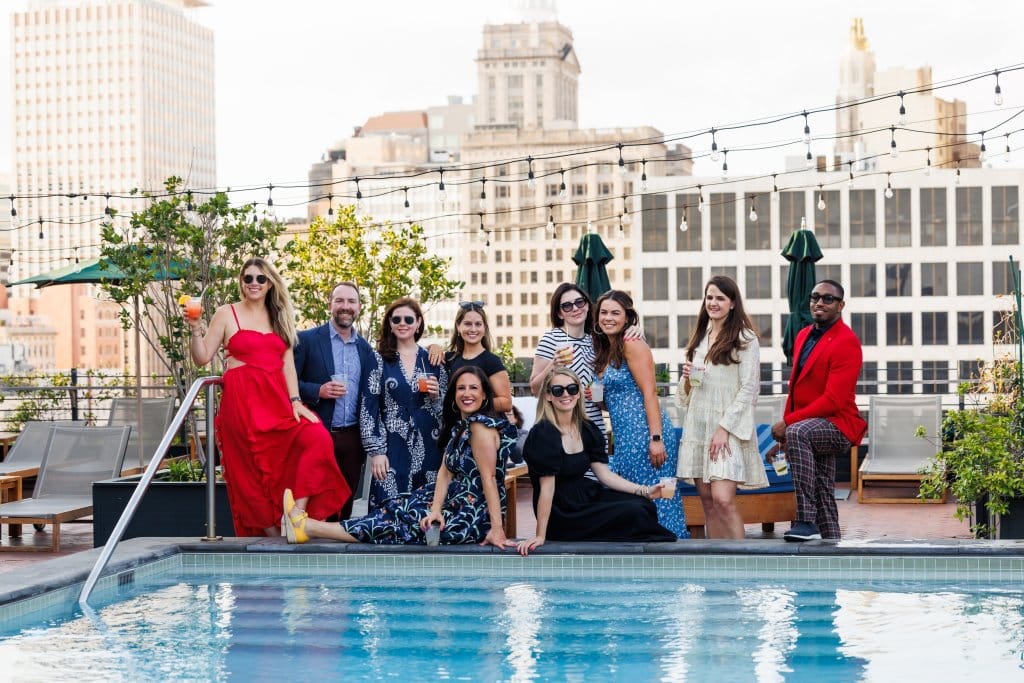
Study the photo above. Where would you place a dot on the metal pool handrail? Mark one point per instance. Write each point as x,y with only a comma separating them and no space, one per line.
210,383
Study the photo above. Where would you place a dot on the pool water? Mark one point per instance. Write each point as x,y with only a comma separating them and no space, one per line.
201,625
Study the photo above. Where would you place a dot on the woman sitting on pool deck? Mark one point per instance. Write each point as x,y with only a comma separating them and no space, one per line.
472,474
561,447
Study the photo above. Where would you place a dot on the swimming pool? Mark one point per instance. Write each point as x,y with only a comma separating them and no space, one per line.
236,616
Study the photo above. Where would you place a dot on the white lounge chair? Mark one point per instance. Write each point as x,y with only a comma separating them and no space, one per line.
75,457
26,454
156,416
895,454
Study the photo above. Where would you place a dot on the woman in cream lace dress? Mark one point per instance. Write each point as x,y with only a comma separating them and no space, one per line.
719,449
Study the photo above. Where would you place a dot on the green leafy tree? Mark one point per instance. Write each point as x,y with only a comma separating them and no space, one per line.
387,262
203,244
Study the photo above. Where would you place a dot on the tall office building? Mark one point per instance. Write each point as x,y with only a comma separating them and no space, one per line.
865,132
108,95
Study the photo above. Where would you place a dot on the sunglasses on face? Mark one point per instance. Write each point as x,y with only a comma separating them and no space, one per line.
247,279
470,305
567,306
829,299
557,390
397,319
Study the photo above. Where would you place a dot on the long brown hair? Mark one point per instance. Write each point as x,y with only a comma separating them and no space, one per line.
456,343
387,345
610,350
731,338
277,301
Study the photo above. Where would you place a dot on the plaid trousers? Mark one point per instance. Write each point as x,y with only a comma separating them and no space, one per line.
811,447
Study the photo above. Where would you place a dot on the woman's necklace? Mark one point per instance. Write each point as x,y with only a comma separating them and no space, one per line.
572,439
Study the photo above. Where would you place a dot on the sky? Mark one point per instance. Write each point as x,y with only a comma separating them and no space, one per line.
295,76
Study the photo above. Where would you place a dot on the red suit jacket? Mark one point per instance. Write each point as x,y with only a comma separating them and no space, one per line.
827,384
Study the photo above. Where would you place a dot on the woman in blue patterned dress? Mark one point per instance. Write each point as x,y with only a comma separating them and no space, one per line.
645,442
400,423
472,474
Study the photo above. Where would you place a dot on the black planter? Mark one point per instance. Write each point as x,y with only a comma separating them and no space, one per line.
169,509
1011,525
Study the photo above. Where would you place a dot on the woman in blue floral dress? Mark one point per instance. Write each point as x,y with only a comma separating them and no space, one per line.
398,422
472,473
645,442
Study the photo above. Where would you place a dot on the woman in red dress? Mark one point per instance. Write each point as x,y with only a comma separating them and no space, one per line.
269,440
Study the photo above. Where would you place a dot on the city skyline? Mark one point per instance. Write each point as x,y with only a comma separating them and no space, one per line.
266,71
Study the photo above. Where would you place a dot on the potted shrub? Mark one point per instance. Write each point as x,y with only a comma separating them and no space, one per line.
174,504
982,462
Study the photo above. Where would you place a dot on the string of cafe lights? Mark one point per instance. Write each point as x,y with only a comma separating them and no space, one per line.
531,176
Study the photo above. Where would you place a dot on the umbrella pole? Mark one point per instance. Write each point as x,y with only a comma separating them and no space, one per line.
138,380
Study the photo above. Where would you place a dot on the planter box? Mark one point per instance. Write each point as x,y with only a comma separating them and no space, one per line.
169,509
1011,525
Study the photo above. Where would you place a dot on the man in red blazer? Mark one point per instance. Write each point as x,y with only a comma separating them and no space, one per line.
821,419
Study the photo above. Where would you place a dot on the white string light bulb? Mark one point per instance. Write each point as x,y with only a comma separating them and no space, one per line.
928,161
809,161
714,146
894,152
483,194
775,189
807,130
700,199
957,178
725,164
1006,157
888,186
562,192
442,196
983,151
643,175
849,181
752,216
683,225
902,120
821,198
997,99
625,218
551,221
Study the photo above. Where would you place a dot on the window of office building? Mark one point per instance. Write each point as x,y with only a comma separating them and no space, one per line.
899,377
767,375
968,216
969,327
728,271
784,279
759,282
831,271
899,329
935,328
722,221
757,233
826,222
685,324
1001,280
935,375
763,322
691,240
862,218
1005,215
862,279
933,217
933,279
969,371
969,281
792,208
897,219
865,326
897,279
655,225
655,284
689,284
656,331
867,382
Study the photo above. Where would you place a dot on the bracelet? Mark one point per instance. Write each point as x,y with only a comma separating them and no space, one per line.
295,399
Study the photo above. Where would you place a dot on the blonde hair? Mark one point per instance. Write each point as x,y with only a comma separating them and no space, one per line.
278,303
546,411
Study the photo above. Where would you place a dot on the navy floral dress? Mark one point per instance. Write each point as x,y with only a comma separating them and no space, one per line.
396,420
397,520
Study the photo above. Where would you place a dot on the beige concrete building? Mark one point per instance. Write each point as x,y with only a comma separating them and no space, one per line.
108,95
865,132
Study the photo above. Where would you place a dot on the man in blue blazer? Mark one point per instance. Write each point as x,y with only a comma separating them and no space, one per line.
331,362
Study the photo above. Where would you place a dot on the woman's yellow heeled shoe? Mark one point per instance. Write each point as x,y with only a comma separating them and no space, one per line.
295,529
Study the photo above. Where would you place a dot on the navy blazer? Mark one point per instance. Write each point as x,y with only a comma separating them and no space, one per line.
314,365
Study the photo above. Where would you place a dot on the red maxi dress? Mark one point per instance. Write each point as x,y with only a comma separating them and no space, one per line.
263,449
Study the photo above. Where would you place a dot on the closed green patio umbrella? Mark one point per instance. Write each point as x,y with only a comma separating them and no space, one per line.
592,257
802,252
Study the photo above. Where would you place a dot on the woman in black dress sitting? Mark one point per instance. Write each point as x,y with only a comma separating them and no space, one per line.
561,447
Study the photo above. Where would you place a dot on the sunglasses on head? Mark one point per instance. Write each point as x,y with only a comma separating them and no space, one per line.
829,299
557,390
470,305
397,319
247,279
567,306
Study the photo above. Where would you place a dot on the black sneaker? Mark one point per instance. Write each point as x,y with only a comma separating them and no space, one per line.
803,531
